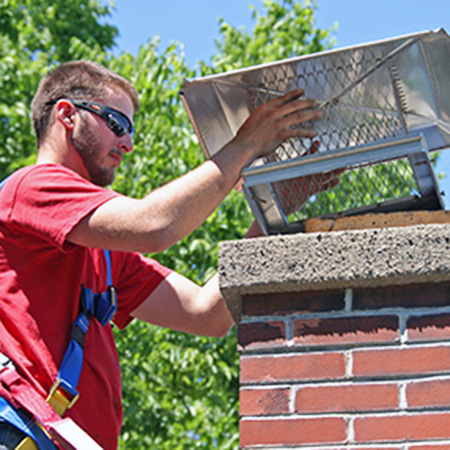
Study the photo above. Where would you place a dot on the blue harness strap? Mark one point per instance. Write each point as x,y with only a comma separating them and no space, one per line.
100,306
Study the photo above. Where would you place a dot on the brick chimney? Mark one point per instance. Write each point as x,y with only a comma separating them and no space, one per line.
344,336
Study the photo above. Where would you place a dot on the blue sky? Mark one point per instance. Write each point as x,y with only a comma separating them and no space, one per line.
194,23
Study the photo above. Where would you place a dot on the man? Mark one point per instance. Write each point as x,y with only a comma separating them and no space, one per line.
55,219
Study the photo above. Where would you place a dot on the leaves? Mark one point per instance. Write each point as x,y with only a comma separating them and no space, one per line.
284,29
183,407
34,36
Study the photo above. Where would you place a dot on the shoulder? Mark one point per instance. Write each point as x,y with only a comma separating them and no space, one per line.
50,198
47,174
51,180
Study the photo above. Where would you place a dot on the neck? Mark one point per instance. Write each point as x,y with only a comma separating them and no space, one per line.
57,149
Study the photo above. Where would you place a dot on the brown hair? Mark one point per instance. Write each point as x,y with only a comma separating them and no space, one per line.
78,80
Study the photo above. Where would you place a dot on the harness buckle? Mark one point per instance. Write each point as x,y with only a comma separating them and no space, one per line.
27,444
106,305
62,396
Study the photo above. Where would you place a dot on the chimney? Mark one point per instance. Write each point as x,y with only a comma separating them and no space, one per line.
344,335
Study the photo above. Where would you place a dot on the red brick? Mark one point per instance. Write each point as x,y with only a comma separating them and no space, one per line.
293,302
346,330
362,448
392,428
260,402
428,394
429,447
420,360
429,328
292,431
261,335
407,296
311,366
351,398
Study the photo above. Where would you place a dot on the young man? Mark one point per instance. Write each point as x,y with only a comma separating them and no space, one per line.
55,219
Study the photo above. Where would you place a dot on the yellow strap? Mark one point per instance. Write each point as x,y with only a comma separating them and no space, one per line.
27,444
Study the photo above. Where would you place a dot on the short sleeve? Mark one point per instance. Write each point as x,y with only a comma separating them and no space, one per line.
135,277
50,200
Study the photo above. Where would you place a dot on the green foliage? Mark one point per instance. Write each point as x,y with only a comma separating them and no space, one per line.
285,29
33,37
50,26
180,391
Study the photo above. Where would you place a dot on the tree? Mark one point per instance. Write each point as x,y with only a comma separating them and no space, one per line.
180,391
33,37
284,29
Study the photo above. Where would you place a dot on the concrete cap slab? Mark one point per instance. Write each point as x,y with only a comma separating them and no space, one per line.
341,259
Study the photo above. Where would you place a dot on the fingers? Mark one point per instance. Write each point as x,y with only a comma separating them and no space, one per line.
293,193
289,97
294,112
291,103
282,118
298,105
292,127
300,117
239,185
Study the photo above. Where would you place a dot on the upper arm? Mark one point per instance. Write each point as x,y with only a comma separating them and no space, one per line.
122,224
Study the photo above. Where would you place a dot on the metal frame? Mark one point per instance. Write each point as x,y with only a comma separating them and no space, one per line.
265,204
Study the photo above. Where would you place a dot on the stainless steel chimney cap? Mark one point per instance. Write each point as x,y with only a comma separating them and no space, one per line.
383,92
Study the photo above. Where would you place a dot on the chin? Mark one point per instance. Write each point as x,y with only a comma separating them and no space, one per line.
103,178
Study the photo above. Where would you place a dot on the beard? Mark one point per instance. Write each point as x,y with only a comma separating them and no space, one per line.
87,144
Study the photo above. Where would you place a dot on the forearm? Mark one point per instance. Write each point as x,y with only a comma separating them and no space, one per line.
167,214
185,203
219,321
182,305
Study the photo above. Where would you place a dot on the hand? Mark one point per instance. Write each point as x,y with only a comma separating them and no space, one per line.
275,121
293,193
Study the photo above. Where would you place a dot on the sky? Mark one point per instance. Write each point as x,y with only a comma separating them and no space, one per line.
194,23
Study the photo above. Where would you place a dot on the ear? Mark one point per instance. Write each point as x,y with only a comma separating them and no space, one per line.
65,113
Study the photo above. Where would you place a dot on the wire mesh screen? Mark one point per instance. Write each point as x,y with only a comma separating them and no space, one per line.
356,94
357,187
369,94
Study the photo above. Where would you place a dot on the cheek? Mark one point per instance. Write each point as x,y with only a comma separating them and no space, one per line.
97,138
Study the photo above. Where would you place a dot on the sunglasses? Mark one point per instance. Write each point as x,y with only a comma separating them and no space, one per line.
116,121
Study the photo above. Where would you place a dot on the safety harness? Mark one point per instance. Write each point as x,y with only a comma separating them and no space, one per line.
47,414
100,306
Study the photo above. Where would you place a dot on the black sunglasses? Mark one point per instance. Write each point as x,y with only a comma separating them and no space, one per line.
116,121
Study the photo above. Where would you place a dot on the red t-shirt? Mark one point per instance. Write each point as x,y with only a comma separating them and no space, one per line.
40,278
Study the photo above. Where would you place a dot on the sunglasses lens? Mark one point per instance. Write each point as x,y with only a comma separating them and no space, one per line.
118,123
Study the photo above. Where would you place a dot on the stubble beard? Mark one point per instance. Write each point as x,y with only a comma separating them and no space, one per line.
87,144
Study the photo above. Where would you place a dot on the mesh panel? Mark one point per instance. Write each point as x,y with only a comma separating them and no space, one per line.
354,113
354,188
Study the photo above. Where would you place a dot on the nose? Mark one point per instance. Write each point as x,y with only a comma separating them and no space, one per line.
126,143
